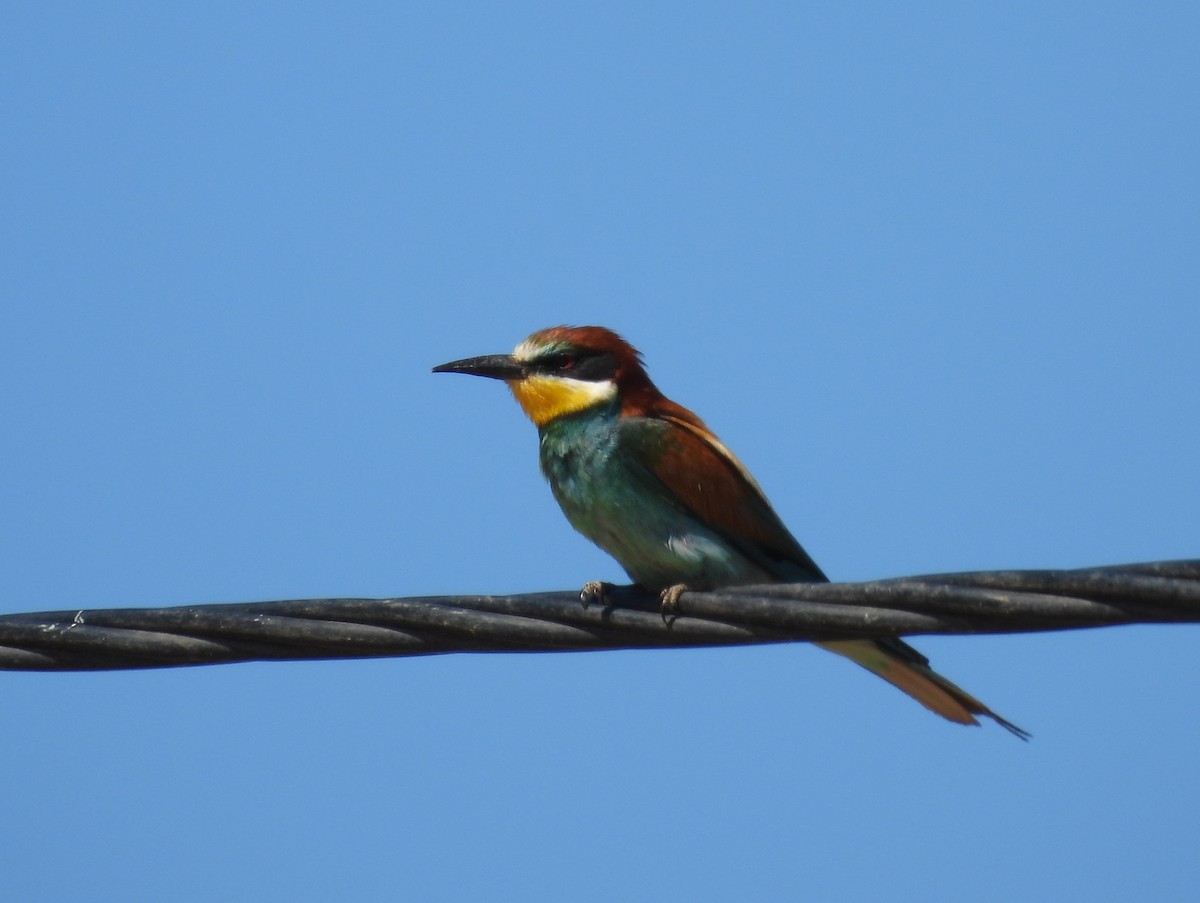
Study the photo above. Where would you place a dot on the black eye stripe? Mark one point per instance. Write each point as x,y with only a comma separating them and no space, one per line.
584,364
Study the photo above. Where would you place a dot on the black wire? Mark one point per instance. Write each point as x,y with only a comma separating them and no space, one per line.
981,602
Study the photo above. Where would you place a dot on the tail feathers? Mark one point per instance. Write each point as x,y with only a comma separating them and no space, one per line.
903,667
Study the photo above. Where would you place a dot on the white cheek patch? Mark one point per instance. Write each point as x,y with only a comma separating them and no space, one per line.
588,392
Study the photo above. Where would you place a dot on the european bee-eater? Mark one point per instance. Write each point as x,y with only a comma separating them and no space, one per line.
648,482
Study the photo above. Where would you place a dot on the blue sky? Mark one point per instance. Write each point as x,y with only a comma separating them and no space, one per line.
930,270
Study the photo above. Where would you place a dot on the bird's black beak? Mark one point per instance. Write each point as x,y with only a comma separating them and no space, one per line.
493,366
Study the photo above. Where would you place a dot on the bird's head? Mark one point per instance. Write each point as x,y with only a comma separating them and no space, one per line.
566,369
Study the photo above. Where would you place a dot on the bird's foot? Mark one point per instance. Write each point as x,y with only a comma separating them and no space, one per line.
594,591
670,602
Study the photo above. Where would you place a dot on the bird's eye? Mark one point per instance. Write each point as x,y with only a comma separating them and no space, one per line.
565,361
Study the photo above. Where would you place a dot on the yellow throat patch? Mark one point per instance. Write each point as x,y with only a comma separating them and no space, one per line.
543,398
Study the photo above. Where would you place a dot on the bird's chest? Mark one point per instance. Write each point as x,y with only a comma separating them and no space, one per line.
607,494
582,462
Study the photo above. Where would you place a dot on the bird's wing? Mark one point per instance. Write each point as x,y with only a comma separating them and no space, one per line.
703,478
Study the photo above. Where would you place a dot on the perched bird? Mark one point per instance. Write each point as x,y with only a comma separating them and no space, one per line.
648,482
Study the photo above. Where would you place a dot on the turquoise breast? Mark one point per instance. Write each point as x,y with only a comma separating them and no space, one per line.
618,503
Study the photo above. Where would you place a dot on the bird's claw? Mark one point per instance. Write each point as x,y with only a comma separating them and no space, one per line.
670,602
594,591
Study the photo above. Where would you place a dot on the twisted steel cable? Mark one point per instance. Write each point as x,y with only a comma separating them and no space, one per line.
979,602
